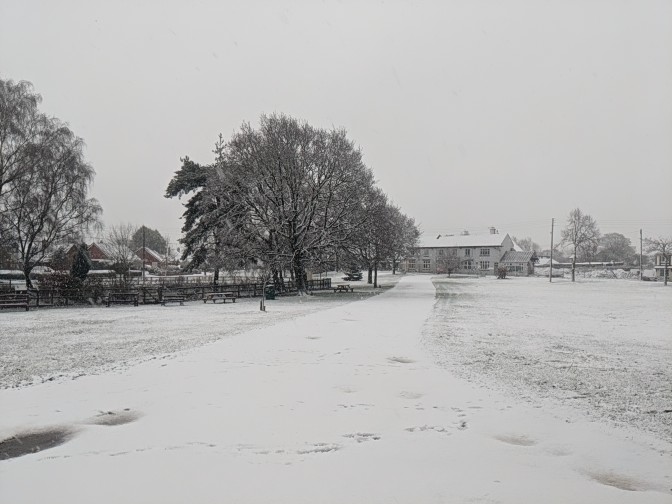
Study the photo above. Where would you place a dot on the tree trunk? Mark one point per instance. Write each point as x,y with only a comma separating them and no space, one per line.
299,273
394,266
375,275
369,278
665,270
26,273
215,278
573,263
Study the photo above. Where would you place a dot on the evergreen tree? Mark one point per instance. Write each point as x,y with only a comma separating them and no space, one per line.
81,263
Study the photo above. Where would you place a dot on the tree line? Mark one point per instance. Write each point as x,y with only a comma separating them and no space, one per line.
582,241
287,197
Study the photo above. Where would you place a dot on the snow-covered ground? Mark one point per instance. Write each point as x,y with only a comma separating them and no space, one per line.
47,344
603,346
356,403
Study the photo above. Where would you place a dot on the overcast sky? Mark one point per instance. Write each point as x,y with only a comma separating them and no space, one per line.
470,113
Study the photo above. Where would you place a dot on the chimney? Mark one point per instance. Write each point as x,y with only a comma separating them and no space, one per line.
493,230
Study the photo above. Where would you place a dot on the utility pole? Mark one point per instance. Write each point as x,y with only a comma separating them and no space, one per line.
143,255
641,274
550,272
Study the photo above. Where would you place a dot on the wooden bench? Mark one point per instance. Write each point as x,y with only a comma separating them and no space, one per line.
15,300
172,298
343,288
223,296
122,298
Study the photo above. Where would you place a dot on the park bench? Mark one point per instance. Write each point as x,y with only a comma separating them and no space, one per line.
14,300
122,298
343,288
216,296
172,298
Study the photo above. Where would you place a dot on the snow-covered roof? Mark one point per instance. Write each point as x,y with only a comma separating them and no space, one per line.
150,252
103,248
545,261
482,240
515,256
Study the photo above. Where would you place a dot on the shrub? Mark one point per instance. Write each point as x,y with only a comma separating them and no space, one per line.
501,272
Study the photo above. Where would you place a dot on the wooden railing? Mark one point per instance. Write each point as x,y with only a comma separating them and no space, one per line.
153,294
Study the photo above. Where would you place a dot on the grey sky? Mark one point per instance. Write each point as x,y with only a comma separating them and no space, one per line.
470,113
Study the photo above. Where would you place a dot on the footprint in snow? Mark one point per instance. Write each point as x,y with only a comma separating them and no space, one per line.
319,448
112,418
518,440
405,394
401,360
360,437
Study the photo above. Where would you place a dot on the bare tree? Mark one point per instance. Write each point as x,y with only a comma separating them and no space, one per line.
527,244
662,246
290,190
404,236
119,243
367,243
449,261
581,235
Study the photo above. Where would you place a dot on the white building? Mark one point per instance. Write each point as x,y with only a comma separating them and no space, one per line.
464,252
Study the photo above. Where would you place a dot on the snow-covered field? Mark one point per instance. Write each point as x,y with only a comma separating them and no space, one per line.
380,400
602,346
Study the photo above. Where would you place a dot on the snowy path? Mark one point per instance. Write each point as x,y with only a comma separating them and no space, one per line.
343,405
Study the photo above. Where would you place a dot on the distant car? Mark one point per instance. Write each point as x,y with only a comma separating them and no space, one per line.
353,276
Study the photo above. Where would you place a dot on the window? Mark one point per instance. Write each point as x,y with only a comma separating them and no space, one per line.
485,265
440,252
411,264
467,252
485,252
425,264
425,252
467,265
495,266
453,252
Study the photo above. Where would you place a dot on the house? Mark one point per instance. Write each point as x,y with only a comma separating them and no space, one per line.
150,257
659,264
518,263
464,252
99,252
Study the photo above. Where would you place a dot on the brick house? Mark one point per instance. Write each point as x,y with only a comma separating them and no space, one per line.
150,258
464,253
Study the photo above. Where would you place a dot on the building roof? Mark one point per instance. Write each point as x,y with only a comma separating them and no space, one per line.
482,240
514,256
150,252
102,247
